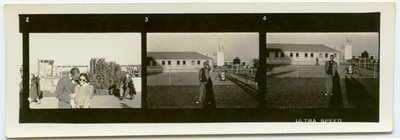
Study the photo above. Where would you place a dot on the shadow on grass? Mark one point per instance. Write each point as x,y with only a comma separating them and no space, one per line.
209,101
336,100
358,96
246,87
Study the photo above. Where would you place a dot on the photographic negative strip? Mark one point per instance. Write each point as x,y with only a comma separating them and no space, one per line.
199,68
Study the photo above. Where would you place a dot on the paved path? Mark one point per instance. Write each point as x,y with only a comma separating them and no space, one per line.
108,101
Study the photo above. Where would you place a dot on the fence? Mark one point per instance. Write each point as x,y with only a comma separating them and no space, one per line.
190,76
276,67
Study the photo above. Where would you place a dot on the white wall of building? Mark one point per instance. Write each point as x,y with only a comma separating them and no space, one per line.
182,67
303,58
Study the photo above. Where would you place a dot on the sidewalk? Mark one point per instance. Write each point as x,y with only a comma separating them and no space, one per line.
108,101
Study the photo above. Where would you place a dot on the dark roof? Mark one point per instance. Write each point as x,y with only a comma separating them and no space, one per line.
176,55
299,48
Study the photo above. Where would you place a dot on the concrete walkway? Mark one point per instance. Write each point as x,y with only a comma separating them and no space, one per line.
107,101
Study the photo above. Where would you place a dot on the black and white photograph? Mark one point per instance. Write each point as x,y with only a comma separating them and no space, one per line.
202,70
161,70
323,70
84,70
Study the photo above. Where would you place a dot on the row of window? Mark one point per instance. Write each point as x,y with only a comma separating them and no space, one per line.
177,63
297,55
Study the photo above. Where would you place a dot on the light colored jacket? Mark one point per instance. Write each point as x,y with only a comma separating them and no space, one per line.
83,95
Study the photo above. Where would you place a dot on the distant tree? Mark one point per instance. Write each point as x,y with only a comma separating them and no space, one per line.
236,60
256,63
364,54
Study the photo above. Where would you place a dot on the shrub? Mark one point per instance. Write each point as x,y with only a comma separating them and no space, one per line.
105,75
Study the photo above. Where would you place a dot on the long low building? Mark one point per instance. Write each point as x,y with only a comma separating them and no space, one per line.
175,61
302,54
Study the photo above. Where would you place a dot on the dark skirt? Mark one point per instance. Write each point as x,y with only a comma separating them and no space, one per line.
35,89
209,99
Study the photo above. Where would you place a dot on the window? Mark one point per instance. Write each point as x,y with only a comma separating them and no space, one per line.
192,62
163,63
335,55
282,55
305,54
311,54
326,55
178,62
198,62
267,54
297,54
169,63
183,62
154,63
320,55
148,63
291,54
276,54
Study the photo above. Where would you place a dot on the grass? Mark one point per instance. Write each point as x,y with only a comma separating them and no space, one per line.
281,93
226,96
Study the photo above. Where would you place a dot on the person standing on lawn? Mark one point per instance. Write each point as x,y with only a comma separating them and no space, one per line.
330,70
204,78
66,88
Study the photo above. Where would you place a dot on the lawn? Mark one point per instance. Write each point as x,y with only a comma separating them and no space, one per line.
309,93
225,96
288,92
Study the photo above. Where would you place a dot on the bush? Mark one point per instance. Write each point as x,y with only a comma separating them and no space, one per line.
100,92
105,75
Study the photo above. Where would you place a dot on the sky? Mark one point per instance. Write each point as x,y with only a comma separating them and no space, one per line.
79,48
242,45
359,41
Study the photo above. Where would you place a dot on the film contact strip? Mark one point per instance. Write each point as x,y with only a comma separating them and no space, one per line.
191,23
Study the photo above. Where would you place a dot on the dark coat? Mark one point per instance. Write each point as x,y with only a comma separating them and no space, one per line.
63,90
206,74
35,88
334,67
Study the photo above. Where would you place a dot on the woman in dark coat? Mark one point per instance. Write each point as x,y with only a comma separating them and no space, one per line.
209,99
35,89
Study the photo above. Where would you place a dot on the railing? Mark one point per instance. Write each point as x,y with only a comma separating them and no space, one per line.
297,66
174,76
